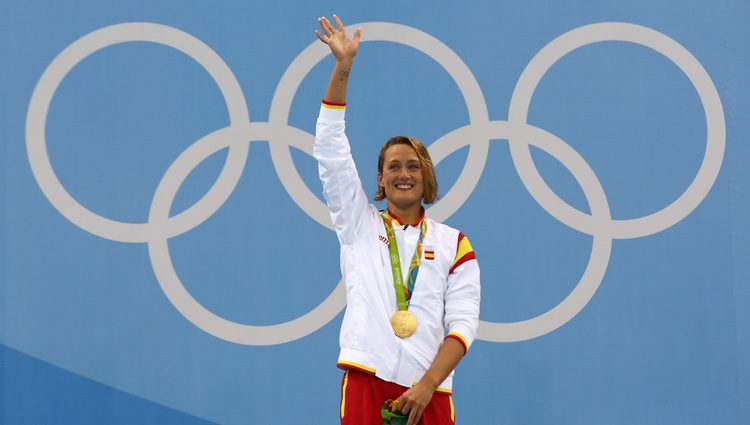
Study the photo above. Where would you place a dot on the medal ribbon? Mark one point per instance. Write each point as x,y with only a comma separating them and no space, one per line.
403,294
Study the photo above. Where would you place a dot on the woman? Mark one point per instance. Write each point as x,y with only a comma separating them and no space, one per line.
404,331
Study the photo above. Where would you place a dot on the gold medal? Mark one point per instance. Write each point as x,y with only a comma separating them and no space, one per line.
403,323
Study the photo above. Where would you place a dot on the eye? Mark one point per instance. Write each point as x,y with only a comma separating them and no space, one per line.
393,167
414,166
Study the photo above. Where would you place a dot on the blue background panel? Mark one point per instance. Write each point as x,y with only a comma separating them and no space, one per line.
88,336
35,392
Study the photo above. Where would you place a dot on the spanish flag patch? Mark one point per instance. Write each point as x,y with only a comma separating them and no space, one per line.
429,253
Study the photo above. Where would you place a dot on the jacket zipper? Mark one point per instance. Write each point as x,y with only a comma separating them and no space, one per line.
398,360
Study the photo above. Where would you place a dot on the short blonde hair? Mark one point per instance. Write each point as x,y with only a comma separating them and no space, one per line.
430,184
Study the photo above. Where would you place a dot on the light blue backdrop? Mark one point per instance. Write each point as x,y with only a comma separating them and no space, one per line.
664,339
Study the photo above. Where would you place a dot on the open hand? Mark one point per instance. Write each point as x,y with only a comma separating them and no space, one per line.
342,46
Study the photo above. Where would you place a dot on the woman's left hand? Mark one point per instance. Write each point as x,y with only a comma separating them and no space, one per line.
414,400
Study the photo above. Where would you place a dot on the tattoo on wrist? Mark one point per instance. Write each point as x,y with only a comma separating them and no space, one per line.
344,74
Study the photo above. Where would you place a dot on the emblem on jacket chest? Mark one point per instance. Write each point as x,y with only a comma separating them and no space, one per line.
429,252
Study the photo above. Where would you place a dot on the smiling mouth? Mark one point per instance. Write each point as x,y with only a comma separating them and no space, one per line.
404,186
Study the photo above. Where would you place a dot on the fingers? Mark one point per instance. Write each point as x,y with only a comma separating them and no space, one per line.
339,25
396,405
405,404
329,30
414,417
328,26
325,26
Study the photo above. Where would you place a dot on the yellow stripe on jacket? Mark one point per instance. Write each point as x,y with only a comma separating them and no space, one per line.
464,252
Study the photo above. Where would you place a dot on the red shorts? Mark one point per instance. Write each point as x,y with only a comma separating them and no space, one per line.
362,396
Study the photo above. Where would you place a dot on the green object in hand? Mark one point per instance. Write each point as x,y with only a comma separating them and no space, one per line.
391,418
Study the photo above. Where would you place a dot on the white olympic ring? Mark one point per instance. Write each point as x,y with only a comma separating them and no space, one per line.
477,134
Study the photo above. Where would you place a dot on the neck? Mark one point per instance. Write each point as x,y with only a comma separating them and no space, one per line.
408,215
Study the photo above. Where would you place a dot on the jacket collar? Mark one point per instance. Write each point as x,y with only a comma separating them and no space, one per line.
398,220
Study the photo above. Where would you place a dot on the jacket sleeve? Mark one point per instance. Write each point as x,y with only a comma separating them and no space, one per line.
463,295
342,188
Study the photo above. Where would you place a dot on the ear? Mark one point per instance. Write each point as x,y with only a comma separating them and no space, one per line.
380,180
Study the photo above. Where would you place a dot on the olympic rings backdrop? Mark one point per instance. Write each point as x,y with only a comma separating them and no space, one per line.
167,256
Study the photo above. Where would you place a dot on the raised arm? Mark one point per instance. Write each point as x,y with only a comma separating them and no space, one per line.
344,49
342,188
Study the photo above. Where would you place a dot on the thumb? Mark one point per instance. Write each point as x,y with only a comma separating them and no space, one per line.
357,34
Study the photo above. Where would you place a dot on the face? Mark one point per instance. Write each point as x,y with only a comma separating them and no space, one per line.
402,177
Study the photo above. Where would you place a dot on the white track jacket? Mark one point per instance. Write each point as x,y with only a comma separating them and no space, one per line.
446,294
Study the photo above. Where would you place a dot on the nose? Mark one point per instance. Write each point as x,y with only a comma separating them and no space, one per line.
404,172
